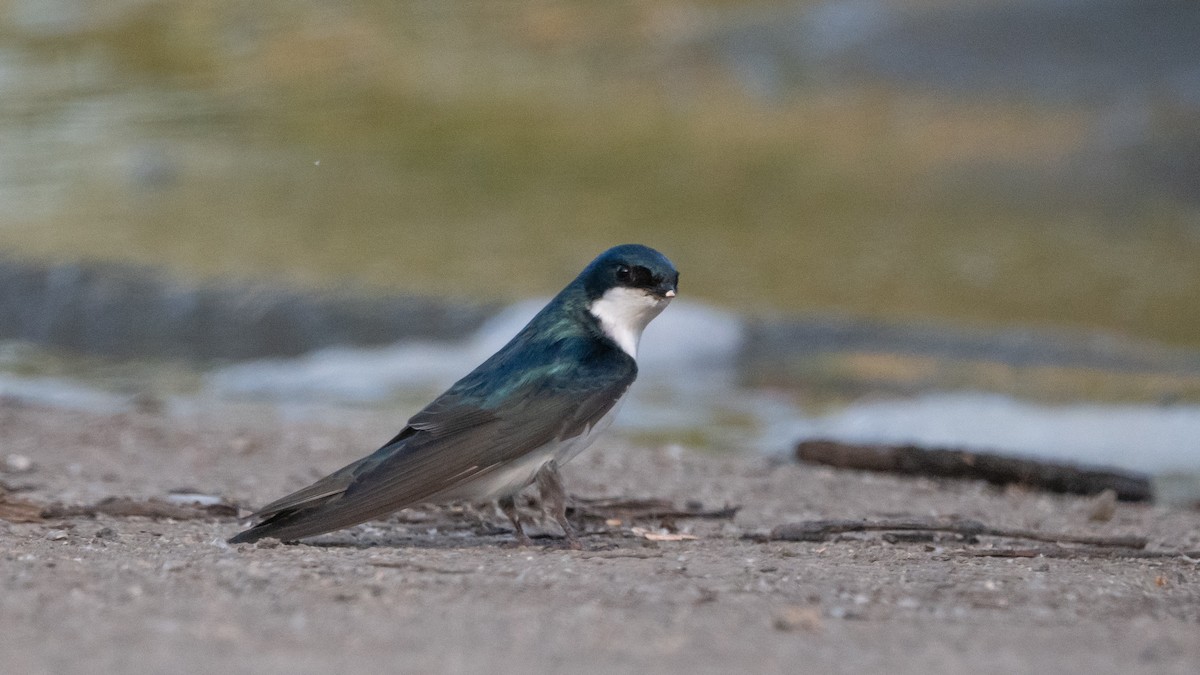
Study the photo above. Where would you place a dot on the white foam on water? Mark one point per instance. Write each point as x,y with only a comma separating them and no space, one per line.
687,338
340,374
688,384
56,392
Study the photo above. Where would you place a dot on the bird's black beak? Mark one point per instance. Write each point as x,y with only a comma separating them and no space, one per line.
666,289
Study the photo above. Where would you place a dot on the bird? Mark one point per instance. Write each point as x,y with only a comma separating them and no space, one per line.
511,422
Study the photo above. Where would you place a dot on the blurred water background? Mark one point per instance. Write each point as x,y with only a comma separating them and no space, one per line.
953,224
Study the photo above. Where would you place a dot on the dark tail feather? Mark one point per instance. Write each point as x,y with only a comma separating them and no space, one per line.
285,526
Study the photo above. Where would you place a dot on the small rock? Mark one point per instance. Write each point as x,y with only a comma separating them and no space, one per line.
793,618
148,403
1103,507
18,464
56,535
106,533
188,498
1159,650
243,445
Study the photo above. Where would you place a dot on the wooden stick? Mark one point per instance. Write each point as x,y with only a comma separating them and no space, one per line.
640,509
149,508
1063,552
821,530
996,469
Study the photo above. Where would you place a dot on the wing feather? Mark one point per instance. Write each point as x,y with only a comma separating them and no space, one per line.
456,439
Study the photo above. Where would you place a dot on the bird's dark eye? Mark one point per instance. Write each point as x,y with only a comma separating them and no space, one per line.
635,276
641,277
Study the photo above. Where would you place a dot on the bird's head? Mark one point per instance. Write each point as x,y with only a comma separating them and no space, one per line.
631,269
626,287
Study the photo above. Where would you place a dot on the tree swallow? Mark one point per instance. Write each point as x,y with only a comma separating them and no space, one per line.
511,422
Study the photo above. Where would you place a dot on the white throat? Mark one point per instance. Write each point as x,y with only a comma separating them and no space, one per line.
623,314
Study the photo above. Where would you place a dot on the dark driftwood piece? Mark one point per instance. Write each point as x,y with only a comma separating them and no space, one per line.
997,469
820,530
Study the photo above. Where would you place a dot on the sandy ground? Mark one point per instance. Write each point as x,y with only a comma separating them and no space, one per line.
136,595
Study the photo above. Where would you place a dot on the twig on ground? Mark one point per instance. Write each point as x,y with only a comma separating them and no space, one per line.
124,507
417,567
623,553
638,509
1064,552
821,530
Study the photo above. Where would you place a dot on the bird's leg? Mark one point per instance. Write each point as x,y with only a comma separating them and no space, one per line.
554,500
509,506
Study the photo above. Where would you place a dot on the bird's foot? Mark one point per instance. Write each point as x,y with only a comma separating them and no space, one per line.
509,506
573,541
554,501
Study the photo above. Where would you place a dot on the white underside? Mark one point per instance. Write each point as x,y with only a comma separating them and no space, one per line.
624,313
514,476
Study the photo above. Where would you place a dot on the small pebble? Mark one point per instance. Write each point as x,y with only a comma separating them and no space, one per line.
194,498
243,445
795,618
17,464
56,535
1103,507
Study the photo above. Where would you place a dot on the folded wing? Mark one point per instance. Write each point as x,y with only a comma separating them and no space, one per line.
456,439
